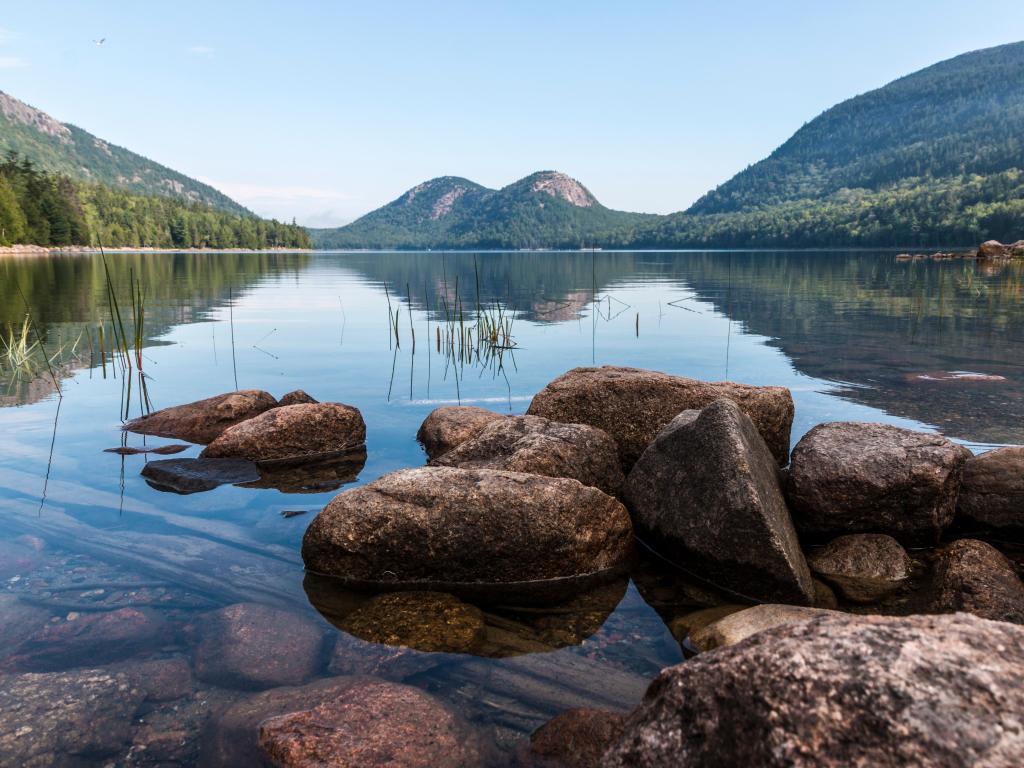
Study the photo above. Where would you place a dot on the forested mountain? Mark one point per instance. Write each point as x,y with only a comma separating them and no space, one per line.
48,209
934,158
544,210
57,147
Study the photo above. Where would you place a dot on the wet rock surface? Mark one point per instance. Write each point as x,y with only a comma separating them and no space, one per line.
21,620
186,476
682,627
706,495
976,577
251,646
374,723
864,567
446,526
451,425
739,625
90,639
840,691
65,718
317,476
425,621
541,447
204,420
576,738
854,477
992,491
292,433
162,680
633,405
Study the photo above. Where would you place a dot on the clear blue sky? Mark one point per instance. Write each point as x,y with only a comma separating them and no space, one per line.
325,110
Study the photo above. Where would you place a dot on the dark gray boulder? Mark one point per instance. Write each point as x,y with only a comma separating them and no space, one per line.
444,527
706,495
541,447
939,691
976,577
992,491
864,567
854,477
186,476
633,405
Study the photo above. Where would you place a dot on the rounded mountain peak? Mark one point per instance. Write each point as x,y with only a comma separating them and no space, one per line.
561,186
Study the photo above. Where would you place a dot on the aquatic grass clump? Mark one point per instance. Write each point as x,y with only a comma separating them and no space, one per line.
23,357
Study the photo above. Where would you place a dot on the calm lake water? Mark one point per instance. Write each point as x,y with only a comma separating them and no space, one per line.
934,345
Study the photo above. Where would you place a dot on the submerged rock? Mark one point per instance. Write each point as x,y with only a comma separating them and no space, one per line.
576,738
540,447
634,405
992,491
976,577
297,397
682,627
374,723
65,718
853,477
739,625
451,425
204,420
449,527
840,691
864,567
293,433
706,495
186,476
425,621
318,476
251,647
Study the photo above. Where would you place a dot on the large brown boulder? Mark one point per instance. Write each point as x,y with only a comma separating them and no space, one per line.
992,491
633,405
706,495
451,425
445,526
976,577
540,447
575,738
204,420
864,567
993,249
293,433
252,646
940,691
374,723
854,477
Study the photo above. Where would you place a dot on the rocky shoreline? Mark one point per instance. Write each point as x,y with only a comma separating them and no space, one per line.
833,611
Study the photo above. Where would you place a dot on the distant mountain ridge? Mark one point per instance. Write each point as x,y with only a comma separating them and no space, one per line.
935,158
59,147
547,209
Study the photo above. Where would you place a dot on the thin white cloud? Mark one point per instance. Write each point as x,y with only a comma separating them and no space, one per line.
202,50
5,35
12,62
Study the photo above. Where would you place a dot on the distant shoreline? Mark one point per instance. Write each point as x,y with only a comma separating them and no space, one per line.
88,250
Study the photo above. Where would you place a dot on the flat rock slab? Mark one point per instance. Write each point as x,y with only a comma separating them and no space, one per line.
186,476
840,691
705,494
204,420
976,577
633,405
541,447
992,491
375,723
444,526
451,425
292,433
856,477
65,718
864,567
251,647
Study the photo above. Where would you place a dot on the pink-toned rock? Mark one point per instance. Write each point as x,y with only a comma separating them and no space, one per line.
576,738
992,491
451,425
374,723
161,679
976,577
204,420
633,405
304,432
252,646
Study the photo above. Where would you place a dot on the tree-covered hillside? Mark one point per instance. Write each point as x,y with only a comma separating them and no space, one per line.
544,210
53,210
956,119
56,147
